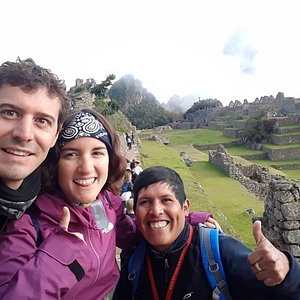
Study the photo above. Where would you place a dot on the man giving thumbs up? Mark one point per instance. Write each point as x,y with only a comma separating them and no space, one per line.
268,263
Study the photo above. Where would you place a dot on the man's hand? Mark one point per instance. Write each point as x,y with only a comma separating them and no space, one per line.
65,220
268,263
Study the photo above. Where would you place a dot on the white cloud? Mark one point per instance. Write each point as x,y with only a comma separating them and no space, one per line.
173,47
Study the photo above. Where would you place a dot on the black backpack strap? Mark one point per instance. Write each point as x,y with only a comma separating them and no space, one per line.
3,222
34,213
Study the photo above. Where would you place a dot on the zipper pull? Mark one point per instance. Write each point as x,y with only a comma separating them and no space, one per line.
166,264
167,270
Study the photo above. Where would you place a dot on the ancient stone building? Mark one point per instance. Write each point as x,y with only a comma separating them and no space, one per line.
80,95
273,106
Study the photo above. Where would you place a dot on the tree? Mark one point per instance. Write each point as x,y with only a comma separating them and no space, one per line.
147,115
202,104
258,129
106,107
100,90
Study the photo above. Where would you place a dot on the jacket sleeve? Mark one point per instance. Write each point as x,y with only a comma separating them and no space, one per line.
194,218
125,226
47,272
243,283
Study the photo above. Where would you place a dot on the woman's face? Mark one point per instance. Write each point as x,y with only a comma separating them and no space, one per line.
83,169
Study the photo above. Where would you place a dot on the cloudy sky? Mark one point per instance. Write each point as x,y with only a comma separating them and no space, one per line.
224,49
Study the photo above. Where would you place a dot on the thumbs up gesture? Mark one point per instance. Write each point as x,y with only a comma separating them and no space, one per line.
65,220
268,263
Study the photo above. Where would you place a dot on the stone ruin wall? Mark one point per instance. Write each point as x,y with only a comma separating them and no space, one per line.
281,218
254,178
283,154
286,139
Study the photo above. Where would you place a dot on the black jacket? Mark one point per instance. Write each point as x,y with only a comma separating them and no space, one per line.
192,282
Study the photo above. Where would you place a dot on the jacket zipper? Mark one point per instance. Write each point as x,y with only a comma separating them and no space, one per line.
97,256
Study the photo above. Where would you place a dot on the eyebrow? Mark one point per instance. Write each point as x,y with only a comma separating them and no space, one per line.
162,196
76,149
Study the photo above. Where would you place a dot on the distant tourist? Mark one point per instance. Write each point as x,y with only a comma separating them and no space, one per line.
132,137
128,141
129,208
136,169
126,187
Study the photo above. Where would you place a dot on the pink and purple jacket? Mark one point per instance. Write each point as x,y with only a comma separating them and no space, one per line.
63,266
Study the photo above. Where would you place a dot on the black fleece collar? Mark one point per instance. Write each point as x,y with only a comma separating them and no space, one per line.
13,203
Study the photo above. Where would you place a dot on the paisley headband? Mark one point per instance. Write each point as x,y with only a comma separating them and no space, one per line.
84,124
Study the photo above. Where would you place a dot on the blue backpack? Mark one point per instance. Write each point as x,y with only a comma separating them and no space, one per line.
209,247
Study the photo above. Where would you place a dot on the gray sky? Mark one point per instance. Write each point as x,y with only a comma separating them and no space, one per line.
225,49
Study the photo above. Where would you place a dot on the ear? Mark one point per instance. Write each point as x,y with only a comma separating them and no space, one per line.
186,207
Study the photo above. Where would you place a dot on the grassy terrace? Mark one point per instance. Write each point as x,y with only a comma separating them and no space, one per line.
197,136
287,134
240,150
290,126
272,146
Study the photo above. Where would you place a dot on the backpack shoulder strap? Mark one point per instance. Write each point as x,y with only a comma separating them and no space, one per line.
34,212
3,223
211,258
135,265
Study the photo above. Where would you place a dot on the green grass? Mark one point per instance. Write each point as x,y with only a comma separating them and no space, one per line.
289,126
240,150
208,188
291,146
197,136
267,162
286,134
292,174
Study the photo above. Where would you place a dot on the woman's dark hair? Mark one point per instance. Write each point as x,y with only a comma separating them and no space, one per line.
159,174
117,162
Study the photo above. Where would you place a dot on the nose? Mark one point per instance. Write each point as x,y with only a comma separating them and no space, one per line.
156,209
85,164
24,129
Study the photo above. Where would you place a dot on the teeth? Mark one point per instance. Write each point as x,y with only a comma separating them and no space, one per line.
19,153
158,225
85,182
